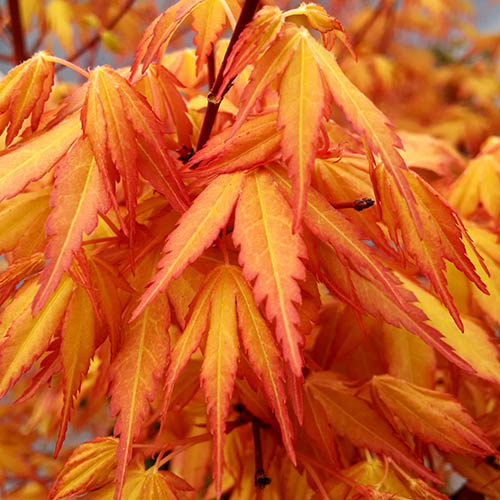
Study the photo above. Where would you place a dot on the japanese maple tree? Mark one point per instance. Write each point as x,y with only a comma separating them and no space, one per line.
264,267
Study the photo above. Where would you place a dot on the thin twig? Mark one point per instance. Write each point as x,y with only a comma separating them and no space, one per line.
247,13
17,31
358,205
211,68
108,26
260,478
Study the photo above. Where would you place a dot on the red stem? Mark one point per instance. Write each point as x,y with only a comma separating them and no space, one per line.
247,13
17,31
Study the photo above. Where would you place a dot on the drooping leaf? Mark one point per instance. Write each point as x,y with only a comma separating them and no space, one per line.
196,231
23,92
267,69
77,349
300,114
136,372
367,296
116,119
271,255
366,120
78,196
191,337
442,228
157,36
218,370
264,356
483,359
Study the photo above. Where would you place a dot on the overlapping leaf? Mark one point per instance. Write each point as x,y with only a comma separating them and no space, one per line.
434,416
443,233
218,370
117,119
79,194
31,159
353,417
136,372
271,255
90,466
24,336
77,349
196,231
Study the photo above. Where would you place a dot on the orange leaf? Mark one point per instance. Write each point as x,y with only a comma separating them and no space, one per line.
151,484
157,36
300,113
253,144
135,373
28,336
353,418
483,359
160,88
443,233
79,194
369,297
190,339
329,225
209,19
31,159
266,70
196,231
271,255
77,349
434,416
218,370
23,92
264,356
253,41
116,119
366,120
90,466
19,215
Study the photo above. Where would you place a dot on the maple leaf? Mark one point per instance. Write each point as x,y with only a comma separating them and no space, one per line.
353,417
126,120
78,195
34,157
264,355
271,255
24,336
77,349
150,484
218,370
90,466
443,230
434,416
300,114
197,229
209,20
478,184
24,92
253,144
159,86
141,361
